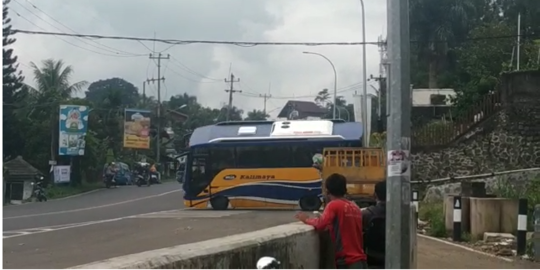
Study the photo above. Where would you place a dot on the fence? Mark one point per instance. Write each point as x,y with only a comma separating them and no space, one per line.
446,131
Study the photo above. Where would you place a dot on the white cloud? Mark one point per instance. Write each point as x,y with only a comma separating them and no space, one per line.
290,72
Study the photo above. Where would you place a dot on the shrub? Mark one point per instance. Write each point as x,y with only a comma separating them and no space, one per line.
434,214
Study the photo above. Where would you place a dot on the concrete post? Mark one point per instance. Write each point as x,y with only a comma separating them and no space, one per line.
536,236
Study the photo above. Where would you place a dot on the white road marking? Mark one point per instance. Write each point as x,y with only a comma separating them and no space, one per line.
176,214
94,207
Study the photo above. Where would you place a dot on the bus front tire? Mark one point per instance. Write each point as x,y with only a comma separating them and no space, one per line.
219,203
310,203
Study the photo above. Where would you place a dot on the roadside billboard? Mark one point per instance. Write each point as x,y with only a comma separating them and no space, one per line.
73,124
137,129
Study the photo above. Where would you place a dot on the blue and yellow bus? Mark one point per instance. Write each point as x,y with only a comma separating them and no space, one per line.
261,164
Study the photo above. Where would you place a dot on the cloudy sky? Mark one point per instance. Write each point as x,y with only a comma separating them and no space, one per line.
200,69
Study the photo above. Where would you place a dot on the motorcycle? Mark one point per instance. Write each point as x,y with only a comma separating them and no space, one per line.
143,177
154,179
109,181
268,263
39,189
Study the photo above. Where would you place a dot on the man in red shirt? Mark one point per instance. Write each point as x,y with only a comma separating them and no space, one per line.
344,220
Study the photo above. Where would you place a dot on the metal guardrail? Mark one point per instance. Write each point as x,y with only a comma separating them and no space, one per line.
452,179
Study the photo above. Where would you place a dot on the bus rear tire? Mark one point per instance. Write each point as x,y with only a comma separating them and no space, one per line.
310,203
219,203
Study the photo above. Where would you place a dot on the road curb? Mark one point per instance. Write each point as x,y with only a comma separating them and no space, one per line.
465,248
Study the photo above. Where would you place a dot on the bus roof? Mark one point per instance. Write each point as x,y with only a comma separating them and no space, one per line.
242,131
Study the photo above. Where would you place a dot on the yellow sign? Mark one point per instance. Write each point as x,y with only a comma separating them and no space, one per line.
137,129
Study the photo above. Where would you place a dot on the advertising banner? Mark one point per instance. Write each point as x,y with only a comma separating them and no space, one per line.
137,129
73,125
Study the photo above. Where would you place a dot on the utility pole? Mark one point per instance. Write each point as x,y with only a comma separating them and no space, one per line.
144,94
399,237
265,97
380,94
231,91
159,57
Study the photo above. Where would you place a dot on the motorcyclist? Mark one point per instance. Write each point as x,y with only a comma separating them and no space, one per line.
153,171
111,172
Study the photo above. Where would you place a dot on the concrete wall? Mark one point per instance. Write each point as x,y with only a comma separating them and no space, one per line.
296,245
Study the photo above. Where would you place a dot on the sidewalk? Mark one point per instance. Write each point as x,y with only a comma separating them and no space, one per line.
436,255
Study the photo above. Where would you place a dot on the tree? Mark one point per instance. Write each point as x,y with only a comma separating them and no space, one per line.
127,92
256,115
437,26
11,88
53,86
322,98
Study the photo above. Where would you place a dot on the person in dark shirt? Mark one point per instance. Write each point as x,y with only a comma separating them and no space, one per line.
377,210
374,225
344,220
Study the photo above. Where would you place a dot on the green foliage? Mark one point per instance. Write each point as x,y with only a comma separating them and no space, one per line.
56,192
378,140
257,115
434,214
12,92
344,111
465,45
531,192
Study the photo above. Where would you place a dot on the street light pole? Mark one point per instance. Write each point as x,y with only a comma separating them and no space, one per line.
364,71
335,81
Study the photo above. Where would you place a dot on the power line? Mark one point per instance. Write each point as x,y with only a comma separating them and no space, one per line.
70,43
110,49
186,42
241,43
186,68
340,90
37,16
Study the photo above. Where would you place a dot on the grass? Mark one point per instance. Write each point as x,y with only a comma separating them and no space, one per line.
56,192
434,214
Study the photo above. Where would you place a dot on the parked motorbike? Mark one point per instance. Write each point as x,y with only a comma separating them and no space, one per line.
38,188
109,181
268,263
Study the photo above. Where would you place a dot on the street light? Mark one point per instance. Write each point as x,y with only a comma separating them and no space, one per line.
364,88
335,81
182,106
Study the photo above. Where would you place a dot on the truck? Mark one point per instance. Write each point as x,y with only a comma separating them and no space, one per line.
363,168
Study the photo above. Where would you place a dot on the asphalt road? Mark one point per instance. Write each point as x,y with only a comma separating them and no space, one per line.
115,222
100,205
127,220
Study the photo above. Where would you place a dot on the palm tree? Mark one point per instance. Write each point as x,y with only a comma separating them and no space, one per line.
436,25
53,87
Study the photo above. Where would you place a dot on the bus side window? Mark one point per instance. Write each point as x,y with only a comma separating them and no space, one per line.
248,157
222,158
302,156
